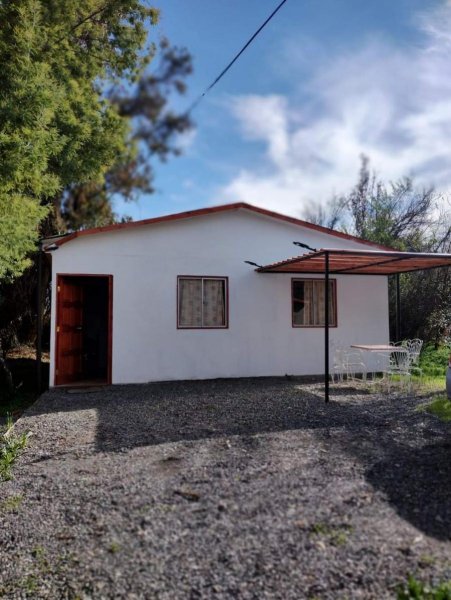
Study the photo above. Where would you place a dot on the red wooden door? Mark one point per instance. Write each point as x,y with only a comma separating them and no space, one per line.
69,331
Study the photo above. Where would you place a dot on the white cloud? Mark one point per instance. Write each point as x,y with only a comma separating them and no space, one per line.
391,103
266,119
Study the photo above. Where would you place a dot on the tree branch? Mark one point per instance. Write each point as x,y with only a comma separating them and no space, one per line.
82,21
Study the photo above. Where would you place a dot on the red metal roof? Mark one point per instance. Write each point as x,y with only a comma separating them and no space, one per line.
359,262
208,211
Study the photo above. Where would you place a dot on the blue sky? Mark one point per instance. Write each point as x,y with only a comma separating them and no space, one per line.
326,81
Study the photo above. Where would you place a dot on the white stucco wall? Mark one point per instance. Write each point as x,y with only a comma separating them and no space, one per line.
260,341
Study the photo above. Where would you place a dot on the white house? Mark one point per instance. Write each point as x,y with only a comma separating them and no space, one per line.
173,298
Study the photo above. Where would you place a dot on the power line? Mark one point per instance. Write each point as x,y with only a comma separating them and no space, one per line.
236,57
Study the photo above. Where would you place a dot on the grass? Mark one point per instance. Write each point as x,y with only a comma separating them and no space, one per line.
416,590
431,378
41,566
114,548
426,560
11,504
337,536
422,386
11,445
433,361
428,384
440,407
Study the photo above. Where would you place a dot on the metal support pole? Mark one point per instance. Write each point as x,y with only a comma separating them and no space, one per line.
326,327
39,322
398,308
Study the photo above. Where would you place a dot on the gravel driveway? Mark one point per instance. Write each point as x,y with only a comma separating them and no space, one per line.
250,489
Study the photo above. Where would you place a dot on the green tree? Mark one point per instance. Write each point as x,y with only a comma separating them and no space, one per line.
56,125
80,119
399,215
405,217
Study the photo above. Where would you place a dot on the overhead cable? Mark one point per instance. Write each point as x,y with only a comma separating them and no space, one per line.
236,57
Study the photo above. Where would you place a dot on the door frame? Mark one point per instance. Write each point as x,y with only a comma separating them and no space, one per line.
59,279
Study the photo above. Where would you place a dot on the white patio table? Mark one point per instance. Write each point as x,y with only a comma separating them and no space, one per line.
379,348
382,349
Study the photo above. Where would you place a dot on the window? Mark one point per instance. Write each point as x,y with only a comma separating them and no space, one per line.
308,302
202,302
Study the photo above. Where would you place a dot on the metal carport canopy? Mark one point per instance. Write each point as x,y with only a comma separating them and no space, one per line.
359,262
331,261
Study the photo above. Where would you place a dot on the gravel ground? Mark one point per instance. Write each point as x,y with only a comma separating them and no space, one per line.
250,489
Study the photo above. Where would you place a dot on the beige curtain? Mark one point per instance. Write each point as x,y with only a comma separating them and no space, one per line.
214,303
332,315
311,296
190,302
320,303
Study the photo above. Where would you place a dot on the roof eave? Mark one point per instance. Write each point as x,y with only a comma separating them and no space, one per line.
212,210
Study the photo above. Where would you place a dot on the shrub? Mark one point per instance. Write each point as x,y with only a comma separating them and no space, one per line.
440,407
11,445
433,361
416,590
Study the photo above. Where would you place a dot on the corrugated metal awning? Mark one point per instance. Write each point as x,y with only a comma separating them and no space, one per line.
332,261
359,262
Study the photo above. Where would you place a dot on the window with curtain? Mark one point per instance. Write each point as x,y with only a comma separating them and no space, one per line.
202,302
308,302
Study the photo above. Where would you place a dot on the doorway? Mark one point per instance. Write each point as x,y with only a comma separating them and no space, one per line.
83,329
